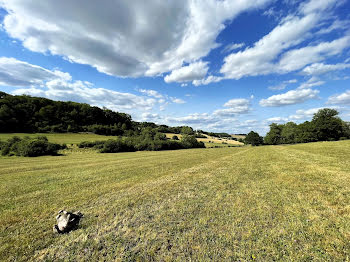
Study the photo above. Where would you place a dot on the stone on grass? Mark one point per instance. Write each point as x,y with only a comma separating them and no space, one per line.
67,221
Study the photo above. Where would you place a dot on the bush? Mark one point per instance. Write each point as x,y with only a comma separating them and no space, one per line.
188,141
115,146
175,138
90,144
30,147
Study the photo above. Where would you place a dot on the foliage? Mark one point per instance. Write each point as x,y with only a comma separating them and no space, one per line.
115,146
253,139
175,138
29,147
220,135
148,140
188,141
186,130
325,126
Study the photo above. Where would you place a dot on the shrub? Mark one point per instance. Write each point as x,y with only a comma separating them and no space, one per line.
191,142
90,144
115,146
30,147
175,138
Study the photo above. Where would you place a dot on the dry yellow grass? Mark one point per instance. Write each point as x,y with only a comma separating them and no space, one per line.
271,203
210,139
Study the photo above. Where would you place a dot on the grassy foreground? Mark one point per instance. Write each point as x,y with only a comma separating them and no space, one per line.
286,203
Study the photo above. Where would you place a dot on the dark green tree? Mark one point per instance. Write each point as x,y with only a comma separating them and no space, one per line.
274,136
328,126
253,139
288,133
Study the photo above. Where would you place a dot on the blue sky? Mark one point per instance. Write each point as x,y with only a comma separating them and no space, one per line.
225,66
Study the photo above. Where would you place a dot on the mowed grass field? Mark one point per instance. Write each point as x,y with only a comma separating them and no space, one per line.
271,203
210,141
61,138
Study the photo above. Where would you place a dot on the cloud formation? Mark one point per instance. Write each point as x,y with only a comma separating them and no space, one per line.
194,71
292,97
341,99
320,68
17,73
293,30
123,38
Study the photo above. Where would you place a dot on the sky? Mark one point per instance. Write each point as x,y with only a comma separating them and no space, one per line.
216,65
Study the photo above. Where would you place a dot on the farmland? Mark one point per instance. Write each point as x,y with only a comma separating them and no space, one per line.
287,203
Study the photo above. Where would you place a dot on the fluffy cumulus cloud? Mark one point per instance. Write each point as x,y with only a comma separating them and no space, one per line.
123,38
341,99
303,114
194,71
293,30
292,97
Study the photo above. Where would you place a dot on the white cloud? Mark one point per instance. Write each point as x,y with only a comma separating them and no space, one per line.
83,92
151,92
312,82
336,25
320,68
177,100
210,79
193,119
149,117
303,114
292,97
123,38
235,106
192,72
292,30
277,120
343,98
59,85
17,73
232,47
298,58
283,85
221,119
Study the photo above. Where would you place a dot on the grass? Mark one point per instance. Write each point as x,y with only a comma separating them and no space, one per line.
284,203
61,138
210,141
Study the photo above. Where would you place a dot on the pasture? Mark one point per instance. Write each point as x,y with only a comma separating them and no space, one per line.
284,203
61,138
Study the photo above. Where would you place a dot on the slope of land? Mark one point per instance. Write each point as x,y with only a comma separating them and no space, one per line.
288,203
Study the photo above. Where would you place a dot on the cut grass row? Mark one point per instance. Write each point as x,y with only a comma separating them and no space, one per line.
288,203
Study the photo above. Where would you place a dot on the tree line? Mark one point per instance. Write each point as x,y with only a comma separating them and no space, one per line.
26,114
324,126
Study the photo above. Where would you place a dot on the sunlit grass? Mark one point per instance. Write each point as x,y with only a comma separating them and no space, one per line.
61,138
287,203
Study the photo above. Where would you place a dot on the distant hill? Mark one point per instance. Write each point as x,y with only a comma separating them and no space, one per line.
26,114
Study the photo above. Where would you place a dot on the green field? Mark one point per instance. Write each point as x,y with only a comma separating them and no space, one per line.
284,203
61,138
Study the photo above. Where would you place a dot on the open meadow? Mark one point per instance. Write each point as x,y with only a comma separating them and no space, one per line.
284,203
